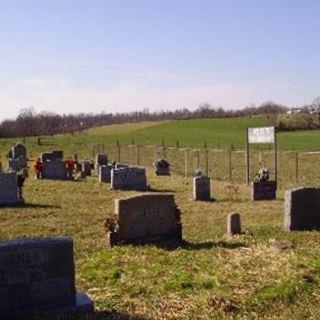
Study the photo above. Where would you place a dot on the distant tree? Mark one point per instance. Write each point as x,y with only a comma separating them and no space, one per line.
316,107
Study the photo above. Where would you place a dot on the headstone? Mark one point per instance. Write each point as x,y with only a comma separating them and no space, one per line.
17,164
233,223
130,178
9,190
105,173
264,190
52,156
201,188
19,151
37,278
86,167
101,160
162,167
302,209
145,218
55,170
119,165
18,157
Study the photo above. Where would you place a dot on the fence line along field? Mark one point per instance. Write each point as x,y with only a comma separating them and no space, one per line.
210,275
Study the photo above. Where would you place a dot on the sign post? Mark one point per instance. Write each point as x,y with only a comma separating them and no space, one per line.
261,135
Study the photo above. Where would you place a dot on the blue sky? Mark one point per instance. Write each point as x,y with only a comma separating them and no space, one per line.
89,56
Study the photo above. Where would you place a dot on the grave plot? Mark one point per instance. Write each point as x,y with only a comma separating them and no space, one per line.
144,218
37,277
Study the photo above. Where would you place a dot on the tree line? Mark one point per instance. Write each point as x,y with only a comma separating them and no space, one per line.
31,123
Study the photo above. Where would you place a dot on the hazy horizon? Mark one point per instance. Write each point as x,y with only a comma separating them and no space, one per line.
118,56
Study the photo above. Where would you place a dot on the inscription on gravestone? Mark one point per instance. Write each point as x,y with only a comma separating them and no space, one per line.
37,277
55,170
302,209
129,178
145,218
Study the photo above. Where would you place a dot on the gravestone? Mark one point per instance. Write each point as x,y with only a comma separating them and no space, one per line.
101,160
52,156
37,278
233,223
119,165
86,167
105,173
144,218
264,190
129,178
201,188
55,170
19,151
9,190
302,209
17,157
162,167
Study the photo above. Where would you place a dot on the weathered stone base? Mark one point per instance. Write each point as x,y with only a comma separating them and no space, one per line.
162,171
112,239
264,190
16,202
83,305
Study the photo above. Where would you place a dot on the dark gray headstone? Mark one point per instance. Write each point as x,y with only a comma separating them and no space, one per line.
17,164
302,209
19,151
52,156
37,277
101,160
264,190
233,223
105,173
201,188
144,218
55,170
86,167
130,178
9,189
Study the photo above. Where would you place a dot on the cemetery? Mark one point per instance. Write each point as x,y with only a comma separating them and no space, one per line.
170,243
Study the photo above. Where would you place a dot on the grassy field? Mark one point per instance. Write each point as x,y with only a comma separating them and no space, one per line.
215,133
210,277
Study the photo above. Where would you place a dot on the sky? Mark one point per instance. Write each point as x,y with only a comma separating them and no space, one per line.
69,56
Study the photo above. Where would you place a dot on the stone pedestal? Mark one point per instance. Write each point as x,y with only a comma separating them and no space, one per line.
264,190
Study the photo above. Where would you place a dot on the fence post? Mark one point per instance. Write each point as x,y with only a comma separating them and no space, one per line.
207,162
118,151
138,155
297,166
186,163
177,144
230,165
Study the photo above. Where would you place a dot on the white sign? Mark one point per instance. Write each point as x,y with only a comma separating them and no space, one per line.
261,135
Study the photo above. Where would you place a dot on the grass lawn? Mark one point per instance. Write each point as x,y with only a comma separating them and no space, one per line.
210,277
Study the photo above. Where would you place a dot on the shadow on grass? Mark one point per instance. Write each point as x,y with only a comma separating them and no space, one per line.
32,205
150,189
193,246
